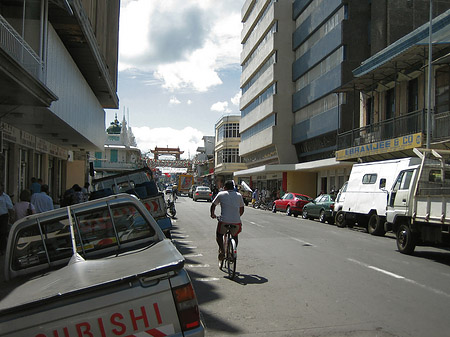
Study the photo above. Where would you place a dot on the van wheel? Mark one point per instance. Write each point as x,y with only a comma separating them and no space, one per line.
376,225
340,219
406,240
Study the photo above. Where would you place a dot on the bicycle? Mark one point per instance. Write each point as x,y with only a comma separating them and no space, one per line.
230,250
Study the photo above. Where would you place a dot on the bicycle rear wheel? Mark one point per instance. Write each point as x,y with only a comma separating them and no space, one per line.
231,258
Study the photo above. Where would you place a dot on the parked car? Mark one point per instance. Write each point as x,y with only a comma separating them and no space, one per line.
291,203
202,193
191,191
320,208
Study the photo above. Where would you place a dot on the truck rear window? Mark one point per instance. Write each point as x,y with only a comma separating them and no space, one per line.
50,241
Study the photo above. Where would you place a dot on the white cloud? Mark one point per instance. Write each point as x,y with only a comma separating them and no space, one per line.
236,99
189,102
220,107
185,43
174,101
187,139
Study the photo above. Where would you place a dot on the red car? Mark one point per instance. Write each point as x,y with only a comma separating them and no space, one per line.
291,203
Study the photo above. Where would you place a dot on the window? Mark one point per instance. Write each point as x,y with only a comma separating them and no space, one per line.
442,89
51,241
436,176
228,130
114,156
413,95
258,127
369,111
269,92
370,178
228,156
390,103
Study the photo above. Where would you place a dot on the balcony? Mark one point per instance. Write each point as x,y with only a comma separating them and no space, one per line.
22,74
408,124
19,50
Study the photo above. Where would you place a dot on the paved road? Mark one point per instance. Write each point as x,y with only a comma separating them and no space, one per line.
303,278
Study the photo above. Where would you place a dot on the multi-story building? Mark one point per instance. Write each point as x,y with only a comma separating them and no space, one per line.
325,52
226,151
265,83
120,152
58,71
394,100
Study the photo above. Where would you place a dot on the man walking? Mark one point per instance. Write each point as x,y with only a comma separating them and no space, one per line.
42,201
231,210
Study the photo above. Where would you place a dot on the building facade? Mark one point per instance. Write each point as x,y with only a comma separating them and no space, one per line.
58,71
266,109
325,53
394,100
227,159
120,151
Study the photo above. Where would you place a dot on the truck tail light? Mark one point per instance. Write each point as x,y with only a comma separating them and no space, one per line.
187,307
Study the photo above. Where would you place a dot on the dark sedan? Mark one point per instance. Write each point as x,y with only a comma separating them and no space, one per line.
291,203
320,208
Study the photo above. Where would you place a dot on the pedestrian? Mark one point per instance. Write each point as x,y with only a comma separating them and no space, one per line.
35,187
6,211
24,207
78,194
42,201
85,190
255,197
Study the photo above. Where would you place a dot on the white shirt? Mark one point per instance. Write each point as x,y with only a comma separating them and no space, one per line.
5,203
230,204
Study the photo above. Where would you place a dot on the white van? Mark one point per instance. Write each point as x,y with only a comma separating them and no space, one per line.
367,193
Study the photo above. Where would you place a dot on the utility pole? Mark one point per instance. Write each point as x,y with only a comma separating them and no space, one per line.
430,57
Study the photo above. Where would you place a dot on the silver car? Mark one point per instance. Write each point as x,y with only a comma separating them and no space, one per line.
202,192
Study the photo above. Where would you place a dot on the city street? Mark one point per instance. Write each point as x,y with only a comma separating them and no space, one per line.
299,277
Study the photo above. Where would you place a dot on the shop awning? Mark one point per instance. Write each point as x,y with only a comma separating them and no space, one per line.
313,166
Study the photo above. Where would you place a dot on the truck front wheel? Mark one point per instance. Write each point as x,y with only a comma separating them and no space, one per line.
376,225
406,240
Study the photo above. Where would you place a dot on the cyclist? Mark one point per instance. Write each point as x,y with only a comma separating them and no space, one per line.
231,209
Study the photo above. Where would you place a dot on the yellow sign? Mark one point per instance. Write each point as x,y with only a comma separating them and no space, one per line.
384,146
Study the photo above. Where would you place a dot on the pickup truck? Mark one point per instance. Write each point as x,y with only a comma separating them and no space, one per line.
418,209
99,268
140,183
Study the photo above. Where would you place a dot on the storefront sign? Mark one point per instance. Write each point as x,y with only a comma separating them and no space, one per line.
385,146
27,139
10,133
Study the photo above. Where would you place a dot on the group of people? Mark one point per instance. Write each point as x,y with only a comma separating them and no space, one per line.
34,200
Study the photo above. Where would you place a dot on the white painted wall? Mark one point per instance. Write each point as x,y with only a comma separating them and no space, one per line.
77,105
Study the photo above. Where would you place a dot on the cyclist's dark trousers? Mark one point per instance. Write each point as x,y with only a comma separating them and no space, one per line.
219,239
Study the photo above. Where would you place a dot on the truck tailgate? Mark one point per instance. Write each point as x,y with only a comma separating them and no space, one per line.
155,206
433,209
121,295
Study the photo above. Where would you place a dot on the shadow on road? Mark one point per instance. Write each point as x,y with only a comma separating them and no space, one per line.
244,279
439,257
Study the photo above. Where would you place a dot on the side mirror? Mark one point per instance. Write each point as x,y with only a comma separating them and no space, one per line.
382,183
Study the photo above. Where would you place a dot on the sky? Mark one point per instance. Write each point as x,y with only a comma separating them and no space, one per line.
179,70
